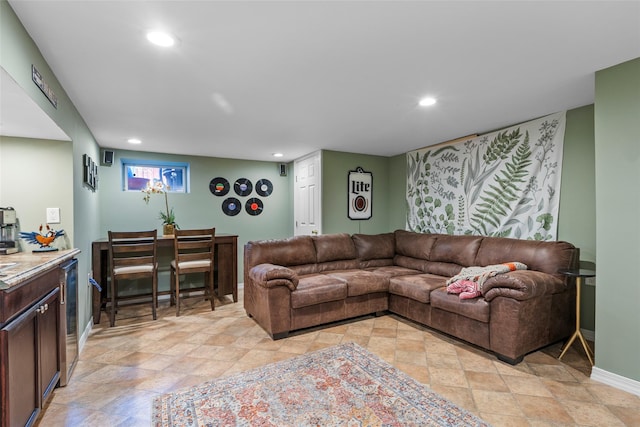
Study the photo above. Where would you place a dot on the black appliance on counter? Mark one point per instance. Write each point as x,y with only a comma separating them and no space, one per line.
8,244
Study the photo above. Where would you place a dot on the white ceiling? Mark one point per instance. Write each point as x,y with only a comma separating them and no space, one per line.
252,78
21,116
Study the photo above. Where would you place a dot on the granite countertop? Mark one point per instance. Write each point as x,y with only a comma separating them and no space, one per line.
29,264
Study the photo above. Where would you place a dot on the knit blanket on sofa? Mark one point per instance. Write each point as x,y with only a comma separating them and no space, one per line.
468,283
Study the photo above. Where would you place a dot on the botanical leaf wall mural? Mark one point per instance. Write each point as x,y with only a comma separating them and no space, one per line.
505,183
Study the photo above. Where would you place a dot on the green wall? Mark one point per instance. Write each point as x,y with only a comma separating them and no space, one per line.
616,160
120,210
398,192
34,193
124,211
617,126
577,216
17,53
335,169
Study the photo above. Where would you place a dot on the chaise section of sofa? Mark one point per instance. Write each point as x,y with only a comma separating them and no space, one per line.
306,281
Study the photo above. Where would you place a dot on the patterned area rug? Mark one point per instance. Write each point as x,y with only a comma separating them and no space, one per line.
344,385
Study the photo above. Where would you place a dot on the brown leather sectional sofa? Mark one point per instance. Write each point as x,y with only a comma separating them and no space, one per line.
305,281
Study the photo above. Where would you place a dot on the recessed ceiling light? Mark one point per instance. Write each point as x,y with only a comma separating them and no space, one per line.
278,155
161,38
134,141
427,101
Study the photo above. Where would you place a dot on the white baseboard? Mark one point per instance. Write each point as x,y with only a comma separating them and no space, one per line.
609,378
615,380
85,335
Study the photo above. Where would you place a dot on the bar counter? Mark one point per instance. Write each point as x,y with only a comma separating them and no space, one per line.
30,264
225,266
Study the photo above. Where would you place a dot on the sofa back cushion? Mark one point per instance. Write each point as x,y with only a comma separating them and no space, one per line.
294,251
374,246
374,250
414,245
374,263
410,262
446,269
547,257
459,250
334,247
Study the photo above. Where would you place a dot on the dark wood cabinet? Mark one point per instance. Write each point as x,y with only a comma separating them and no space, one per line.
29,347
20,389
226,262
48,322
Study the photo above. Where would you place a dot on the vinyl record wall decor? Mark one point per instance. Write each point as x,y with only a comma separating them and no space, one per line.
219,186
253,206
231,206
264,187
242,187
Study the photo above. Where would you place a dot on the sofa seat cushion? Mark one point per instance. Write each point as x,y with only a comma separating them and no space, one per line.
361,282
417,286
393,271
317,289
476,308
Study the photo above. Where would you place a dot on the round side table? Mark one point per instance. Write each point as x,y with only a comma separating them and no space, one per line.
579,274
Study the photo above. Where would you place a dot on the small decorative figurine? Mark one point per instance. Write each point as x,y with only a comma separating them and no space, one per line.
44,240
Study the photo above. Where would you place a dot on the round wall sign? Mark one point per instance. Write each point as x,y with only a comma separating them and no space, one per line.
360,204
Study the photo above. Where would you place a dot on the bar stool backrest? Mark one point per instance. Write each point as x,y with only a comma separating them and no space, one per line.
132,255
194,249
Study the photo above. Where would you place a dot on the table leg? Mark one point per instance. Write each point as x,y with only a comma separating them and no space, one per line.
578,333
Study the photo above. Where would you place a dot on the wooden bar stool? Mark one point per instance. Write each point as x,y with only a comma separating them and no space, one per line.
193,253
132,255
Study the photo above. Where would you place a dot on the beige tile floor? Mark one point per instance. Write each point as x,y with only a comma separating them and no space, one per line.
122,368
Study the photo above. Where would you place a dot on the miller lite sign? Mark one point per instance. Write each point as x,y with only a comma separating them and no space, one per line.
360,193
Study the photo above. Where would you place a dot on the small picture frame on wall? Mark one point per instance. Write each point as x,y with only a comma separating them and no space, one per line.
90,172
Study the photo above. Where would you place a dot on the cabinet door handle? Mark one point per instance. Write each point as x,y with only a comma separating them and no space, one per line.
42,308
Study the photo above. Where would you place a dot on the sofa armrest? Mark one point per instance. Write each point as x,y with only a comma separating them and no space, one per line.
270,275
522,285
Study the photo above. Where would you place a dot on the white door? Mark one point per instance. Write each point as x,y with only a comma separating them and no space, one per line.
306,197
